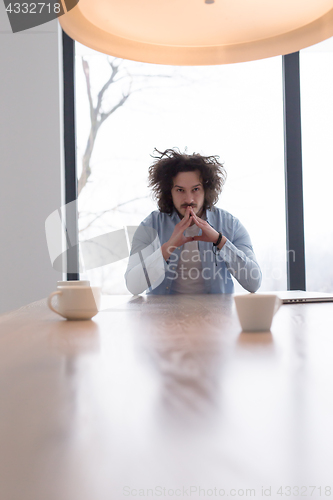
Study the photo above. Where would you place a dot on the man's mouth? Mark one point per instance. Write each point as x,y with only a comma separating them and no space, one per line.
185,206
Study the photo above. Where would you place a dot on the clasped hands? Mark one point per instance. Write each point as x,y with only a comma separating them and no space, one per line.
208,233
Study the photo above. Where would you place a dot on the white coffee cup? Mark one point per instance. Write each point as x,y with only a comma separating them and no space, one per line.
256,311
76,301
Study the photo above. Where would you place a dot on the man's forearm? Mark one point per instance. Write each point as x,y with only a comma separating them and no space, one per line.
167,250
243,267
144,271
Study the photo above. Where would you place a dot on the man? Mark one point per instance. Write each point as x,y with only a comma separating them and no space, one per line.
189,245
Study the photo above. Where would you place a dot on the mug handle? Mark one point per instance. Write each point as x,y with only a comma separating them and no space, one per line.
49,302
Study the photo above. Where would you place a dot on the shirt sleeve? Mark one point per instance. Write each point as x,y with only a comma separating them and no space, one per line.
146,265
240,259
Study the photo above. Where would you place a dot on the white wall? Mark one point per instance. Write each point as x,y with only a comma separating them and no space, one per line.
30,159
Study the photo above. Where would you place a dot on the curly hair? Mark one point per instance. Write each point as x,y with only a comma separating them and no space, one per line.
170,162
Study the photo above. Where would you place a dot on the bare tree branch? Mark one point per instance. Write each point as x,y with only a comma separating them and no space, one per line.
98,216
104,116
86,71
97,115
97,118
114,71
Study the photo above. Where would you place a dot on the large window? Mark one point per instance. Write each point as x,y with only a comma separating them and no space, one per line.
316,67
233,111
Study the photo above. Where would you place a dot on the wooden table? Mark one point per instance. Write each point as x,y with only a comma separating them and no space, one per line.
164,397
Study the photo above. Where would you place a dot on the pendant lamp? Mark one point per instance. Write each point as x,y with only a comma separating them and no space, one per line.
198,32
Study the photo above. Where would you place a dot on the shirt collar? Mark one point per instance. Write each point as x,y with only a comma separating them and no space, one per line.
209,216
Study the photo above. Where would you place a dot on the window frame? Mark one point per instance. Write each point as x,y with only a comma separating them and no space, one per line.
70,177
293,172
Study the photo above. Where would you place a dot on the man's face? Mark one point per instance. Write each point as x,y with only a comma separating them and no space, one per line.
188,190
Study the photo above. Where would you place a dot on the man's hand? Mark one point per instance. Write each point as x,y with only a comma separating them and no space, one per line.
208,232
177,238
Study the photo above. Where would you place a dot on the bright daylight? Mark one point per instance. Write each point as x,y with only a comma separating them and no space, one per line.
233,111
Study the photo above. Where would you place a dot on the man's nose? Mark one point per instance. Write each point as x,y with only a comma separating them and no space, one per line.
189,198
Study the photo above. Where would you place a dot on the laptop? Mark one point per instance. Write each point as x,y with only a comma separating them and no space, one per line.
293,296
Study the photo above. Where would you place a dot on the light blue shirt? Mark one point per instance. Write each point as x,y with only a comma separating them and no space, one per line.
147,269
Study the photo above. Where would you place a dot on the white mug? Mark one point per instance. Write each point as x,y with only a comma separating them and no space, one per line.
256,311
76,301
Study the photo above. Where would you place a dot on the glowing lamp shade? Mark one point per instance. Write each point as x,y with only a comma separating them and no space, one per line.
199,32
